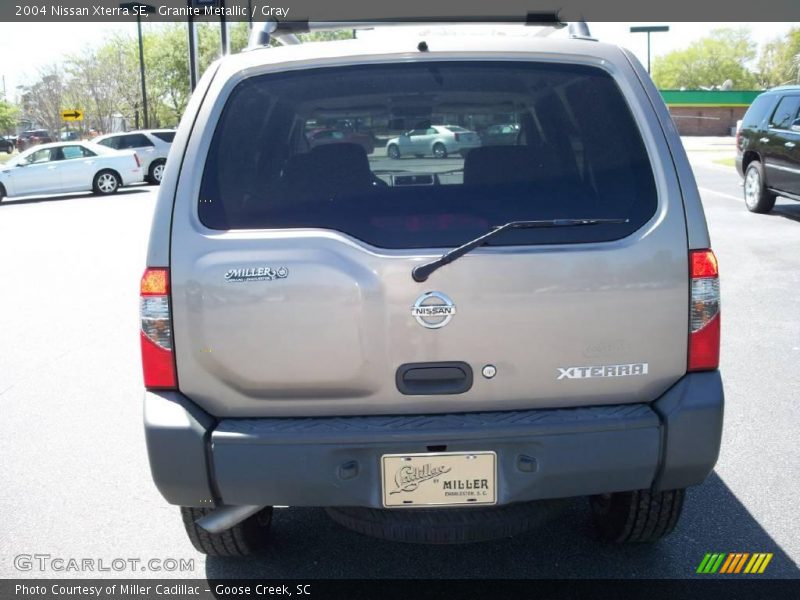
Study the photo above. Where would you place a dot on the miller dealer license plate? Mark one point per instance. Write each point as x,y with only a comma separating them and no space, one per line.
439,479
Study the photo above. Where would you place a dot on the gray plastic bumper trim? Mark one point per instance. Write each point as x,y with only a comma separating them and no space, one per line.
175,432
691,414
334,461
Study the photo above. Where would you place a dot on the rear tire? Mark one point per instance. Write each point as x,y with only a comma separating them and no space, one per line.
393,152
156,172
439,150
243,539
757,198
443,525
106,182
639,516
2,193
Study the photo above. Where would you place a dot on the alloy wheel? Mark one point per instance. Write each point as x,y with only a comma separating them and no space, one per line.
752,187
107,183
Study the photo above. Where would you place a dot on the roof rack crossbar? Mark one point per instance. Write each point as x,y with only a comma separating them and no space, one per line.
580,30
286,32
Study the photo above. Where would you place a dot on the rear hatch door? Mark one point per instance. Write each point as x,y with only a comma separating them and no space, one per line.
292,267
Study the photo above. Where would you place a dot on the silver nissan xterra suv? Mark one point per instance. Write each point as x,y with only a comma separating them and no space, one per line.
426,344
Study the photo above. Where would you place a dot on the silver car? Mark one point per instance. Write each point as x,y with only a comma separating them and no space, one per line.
436,140
427,348
151,145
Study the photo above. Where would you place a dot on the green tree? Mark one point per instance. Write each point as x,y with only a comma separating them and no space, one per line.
104,80
166,56
779,62
326,36
239,35
42,100
709,61
8,116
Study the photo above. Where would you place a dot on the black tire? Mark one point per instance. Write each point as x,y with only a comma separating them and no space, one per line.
2,193
101,184
757,198
639,516
156,172
441,526
244,539
439,150
393,152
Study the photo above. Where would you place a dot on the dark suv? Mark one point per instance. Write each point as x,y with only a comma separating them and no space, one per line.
32,137
768,148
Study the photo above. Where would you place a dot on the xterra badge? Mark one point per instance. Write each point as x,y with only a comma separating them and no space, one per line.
433,310
256,274
604,371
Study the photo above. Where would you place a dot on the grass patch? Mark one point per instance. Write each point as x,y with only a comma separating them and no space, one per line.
6,157
726,162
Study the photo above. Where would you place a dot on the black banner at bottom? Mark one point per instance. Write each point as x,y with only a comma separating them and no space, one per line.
399,589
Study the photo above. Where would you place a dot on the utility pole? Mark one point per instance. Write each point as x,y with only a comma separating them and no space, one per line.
192,47
223,30
192,53
141,69
648,30
140,8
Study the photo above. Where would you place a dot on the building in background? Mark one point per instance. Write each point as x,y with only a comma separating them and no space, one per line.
707,112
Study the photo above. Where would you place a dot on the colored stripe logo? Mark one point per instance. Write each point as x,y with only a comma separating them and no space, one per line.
734,562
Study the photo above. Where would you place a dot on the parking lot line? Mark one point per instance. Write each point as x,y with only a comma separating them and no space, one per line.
723,194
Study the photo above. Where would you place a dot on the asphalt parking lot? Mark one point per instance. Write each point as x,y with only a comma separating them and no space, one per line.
75,472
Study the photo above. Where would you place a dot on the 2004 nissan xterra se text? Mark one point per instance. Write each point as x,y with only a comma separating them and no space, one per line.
426,344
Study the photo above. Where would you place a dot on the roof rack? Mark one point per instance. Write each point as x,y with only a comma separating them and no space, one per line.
285,32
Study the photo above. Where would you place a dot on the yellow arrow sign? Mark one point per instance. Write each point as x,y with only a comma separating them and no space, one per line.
73,114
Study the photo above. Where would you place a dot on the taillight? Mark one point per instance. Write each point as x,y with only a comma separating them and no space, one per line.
704,311
138,162
158,360
458,136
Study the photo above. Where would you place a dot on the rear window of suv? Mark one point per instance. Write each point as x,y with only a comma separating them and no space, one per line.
579,154
165,136
757,111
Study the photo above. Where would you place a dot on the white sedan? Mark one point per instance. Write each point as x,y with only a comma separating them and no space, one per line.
69,167
438,140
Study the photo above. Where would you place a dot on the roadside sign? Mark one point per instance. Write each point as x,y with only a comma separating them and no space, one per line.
72,114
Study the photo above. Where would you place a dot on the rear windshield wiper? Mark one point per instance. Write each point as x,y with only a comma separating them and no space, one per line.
422,272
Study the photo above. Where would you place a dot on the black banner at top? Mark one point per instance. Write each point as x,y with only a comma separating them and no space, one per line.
407,10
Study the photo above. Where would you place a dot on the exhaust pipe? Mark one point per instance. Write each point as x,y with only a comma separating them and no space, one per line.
226,517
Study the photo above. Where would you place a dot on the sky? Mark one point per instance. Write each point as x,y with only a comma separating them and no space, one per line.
20,58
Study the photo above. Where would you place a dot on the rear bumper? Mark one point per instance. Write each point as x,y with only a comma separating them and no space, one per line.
132,176
334,461
454,147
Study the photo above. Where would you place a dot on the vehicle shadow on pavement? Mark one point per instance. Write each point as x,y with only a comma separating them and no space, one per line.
60,197
306,544
787,211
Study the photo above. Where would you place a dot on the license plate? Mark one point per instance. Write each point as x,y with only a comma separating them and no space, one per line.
439,479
